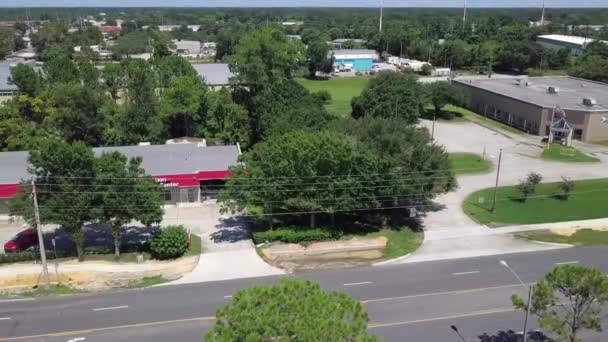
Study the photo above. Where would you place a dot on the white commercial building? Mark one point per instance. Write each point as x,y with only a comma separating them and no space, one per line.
575,44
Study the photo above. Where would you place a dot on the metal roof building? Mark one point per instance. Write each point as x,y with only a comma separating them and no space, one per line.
182,168
528,103
559,41
214,74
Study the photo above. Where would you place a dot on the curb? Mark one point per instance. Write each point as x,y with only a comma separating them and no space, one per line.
551,243
392,261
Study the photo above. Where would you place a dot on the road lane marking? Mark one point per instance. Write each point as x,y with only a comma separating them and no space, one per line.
77,339
463,273
566,262
440,293
90,331
112,308
5,318
229,296
361,283
16,300
471,314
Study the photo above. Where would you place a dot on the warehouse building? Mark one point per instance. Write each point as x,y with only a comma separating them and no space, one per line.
357,60
575,44
189,171
529,103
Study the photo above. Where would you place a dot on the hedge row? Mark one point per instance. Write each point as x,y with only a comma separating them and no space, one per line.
297,234
33,254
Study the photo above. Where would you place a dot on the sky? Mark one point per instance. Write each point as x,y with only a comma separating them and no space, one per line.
300,3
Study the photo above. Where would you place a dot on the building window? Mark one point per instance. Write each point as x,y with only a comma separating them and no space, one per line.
167,195
192,195
577,134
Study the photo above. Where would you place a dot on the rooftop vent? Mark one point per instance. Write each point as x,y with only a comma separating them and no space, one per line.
144,143
589,102
528,83
553,90
202,143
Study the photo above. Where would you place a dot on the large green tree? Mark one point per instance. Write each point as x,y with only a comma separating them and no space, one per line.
264,57
286,106
124,194
65,178
26,79
318,57
442,93
309,172
390,95
567,300
181,106
226,121
291,310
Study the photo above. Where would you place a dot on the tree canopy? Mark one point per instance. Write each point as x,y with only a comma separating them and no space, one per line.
390,95
568,300
290,310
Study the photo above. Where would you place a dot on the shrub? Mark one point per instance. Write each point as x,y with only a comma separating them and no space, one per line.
171,243
296,234
323,96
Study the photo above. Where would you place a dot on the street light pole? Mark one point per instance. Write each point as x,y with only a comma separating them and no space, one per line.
530,289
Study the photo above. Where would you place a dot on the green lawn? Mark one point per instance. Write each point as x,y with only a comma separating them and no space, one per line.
467,163
583,237
53,290
197,246
566,154
587,201
400,241
342,90
481,120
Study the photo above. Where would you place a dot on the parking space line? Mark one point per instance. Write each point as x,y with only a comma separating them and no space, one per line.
4,318
567,262
112,308
361,283
463,273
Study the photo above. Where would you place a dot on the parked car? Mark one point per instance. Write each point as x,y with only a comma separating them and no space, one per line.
22,241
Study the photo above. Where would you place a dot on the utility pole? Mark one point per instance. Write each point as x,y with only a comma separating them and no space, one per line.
45,269
530,289
497,178
542,16
464,17
381,14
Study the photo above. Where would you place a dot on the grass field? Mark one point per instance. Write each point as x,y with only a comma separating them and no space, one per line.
342,90
583,237
567,154
587,201
469,163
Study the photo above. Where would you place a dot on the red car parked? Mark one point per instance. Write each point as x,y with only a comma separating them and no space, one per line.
22,241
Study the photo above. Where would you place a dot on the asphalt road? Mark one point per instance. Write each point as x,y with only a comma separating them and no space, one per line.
411,302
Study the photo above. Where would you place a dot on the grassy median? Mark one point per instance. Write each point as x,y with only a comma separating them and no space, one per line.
586,201
469,163
567,154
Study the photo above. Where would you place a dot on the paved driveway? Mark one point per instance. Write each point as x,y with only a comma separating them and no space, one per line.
449,233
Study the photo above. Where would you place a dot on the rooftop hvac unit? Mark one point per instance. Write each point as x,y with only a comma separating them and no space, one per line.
528,83
553,90
589,102
144,143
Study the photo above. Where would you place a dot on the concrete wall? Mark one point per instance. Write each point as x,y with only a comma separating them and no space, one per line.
527,117
595,130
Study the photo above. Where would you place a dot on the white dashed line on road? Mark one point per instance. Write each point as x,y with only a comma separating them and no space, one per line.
112,308
566,263
463,273
229,296
4,318
361,283
77,339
